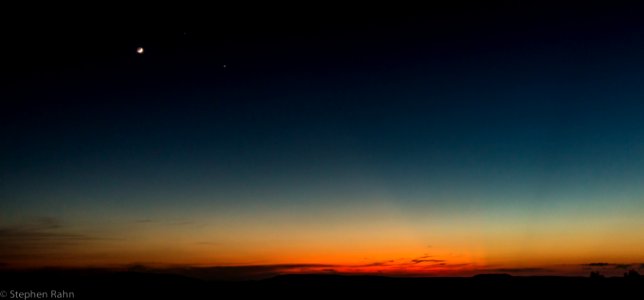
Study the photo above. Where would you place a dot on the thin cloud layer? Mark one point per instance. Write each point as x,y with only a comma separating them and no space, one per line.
40,237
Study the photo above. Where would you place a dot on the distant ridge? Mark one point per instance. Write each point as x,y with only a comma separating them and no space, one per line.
145,285
493,276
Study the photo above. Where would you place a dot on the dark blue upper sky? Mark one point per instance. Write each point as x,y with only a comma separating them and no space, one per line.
511,90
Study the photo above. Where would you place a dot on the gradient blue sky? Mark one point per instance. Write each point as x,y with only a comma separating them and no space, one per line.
476,137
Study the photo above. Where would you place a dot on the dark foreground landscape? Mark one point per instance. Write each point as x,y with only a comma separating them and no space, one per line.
97,284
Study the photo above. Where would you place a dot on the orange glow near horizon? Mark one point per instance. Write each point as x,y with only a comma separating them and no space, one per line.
387,245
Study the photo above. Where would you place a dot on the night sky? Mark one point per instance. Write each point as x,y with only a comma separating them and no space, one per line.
448,141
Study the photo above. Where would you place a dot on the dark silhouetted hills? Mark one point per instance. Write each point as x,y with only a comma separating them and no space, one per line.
102,284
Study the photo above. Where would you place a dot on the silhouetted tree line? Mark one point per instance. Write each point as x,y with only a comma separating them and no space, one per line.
632,274
629,274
